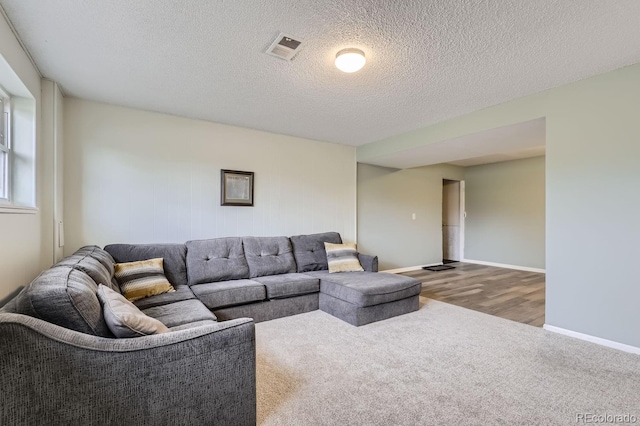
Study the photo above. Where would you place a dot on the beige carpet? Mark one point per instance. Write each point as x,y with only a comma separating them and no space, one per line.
442,365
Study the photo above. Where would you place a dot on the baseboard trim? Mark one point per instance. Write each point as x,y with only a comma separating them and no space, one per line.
593,339
504,265
409,268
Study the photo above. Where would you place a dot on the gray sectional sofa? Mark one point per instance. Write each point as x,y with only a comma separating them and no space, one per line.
61,364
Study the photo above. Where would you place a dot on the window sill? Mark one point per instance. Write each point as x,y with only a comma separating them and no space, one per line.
9,209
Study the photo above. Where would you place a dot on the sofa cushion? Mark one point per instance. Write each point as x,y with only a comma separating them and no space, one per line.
309,252
180,313
143,278
268,256
367,288
217,259
289,285
65,296
86,260
123,318
181,293
229,293
173,258
342,258
99,254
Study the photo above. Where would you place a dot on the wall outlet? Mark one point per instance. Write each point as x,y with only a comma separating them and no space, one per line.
60,234
413,216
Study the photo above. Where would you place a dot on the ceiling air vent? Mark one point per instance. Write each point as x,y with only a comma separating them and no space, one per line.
284,47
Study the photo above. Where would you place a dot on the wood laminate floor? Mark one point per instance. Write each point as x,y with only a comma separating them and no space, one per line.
506,293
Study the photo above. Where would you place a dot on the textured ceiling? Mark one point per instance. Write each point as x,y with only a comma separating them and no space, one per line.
426,60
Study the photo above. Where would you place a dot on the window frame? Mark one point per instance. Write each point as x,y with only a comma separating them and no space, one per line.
7,148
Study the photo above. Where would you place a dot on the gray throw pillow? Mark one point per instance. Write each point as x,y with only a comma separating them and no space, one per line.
123,318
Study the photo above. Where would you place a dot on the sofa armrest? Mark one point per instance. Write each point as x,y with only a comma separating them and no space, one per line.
52,375
369,263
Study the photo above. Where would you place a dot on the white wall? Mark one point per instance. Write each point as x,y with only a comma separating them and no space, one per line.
21,241
144,177
505,205
387,200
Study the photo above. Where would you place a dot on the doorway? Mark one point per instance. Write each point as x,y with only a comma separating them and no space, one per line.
452,221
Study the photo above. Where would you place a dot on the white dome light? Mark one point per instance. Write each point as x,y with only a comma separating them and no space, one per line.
350,60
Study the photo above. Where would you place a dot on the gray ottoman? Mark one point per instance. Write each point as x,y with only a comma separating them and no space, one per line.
360,298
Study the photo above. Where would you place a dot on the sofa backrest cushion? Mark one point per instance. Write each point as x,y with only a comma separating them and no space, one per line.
96,263
309,250
100,255
217,259
174,258
268,256
65,296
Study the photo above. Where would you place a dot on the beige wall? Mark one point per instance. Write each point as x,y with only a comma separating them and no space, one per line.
26,241
592,164
52,120
387,199
505,205
144,177
592,151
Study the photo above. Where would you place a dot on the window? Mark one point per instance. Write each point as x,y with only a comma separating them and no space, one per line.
18,114
5,147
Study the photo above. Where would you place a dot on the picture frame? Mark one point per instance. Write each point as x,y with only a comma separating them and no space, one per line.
236,188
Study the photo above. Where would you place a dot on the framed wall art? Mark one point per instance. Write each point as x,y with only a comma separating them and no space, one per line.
236,188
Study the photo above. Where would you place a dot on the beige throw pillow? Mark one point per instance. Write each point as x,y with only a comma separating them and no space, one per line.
123,318
342,258
142,279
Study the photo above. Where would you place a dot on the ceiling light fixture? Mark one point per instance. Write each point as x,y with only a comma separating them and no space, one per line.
350,60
